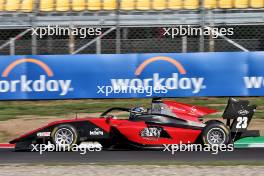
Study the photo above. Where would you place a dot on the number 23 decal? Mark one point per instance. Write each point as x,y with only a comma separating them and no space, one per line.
242,122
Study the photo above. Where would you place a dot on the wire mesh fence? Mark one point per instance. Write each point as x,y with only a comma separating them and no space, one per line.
133,40
127,39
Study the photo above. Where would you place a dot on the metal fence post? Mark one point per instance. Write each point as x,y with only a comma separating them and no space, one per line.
98,46
211,40
12,46
33,36
184,44
71,41
33,44
202,23
118,34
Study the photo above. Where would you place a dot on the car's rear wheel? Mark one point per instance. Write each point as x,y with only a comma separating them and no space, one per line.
64,136
216,133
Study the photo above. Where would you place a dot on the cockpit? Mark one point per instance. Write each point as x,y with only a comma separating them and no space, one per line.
158,113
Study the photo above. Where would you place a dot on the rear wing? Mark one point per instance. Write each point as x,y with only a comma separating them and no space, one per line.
238,114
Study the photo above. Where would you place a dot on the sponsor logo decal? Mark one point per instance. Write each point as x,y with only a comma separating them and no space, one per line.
151,133
243,112
177,81
44,83
43,134
96,132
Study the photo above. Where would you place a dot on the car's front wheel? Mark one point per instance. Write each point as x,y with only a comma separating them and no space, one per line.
64,136
216,133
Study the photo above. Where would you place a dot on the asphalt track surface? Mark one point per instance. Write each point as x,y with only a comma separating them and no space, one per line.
9,156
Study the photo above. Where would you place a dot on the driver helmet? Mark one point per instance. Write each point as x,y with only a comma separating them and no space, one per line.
136,111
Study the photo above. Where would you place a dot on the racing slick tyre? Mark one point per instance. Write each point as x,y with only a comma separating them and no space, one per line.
64,136
216,133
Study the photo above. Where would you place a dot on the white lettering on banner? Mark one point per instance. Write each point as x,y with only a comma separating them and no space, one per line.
40,85
174,82
254,82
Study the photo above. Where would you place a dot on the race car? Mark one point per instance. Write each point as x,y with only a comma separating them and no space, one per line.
165,122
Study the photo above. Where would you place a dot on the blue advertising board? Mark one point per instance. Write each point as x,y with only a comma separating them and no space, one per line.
131,75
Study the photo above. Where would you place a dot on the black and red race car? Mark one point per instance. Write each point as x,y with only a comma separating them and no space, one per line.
165,122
